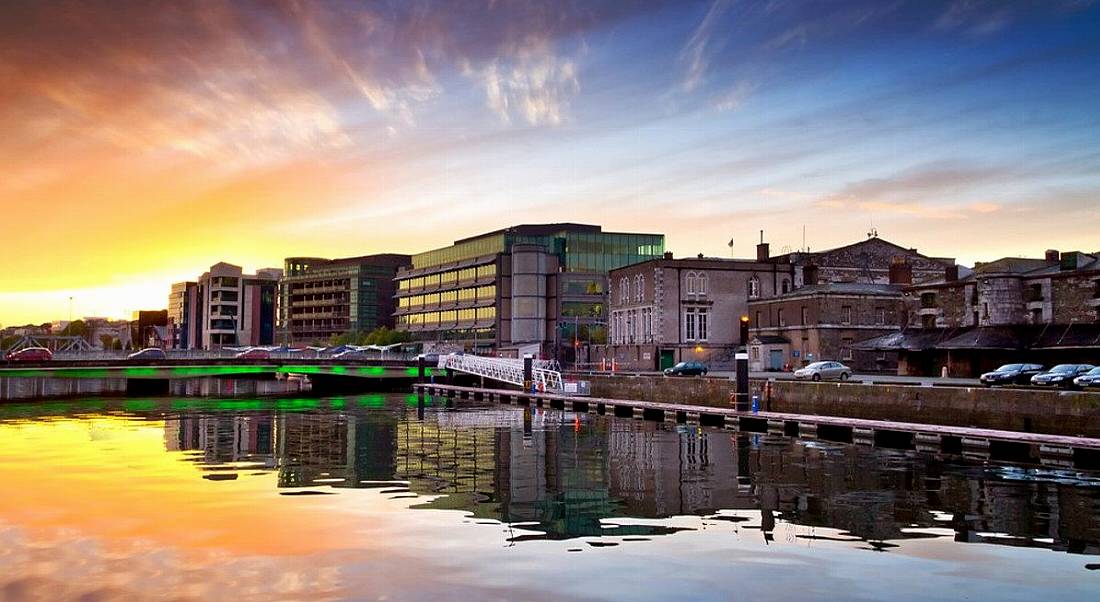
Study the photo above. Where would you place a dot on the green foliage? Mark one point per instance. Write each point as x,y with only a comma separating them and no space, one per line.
75,329
107,341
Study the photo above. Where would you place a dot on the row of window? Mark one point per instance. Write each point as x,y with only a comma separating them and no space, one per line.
624,289
453,316
804,318
632,326
450,278
463,295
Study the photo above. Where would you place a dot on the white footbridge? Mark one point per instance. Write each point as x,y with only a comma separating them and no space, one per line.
545,374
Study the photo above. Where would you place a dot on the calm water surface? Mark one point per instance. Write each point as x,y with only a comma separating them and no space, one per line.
374,498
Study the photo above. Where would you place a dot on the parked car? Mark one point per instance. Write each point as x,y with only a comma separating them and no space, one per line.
149,353
30,354
1088,379
687,369
255,353
1011,374
1061,375
823,371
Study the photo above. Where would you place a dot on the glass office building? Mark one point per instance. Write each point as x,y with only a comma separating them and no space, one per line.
520,287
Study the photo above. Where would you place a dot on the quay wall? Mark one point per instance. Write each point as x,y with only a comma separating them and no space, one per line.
1028,410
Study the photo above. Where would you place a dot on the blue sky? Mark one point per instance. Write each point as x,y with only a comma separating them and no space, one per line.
250,131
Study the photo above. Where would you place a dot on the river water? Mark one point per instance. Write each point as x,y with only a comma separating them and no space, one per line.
376,497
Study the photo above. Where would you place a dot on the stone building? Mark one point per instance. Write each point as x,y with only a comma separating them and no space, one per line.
840,298
1012,309
669,310
823,322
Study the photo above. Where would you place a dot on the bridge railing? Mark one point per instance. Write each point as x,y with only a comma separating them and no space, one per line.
507,370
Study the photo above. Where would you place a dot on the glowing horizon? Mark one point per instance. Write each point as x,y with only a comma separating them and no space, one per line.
145,143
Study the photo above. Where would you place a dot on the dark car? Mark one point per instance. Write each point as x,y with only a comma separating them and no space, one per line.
30,354
1011,374
1088,379
687,369
1061,375
149,353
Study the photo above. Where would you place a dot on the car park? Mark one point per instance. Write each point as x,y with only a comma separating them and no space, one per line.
690,368
824,370
149,353
1088,379
30,354
1061,375
1011,374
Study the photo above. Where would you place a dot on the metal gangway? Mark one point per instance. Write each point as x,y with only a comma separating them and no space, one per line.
509,370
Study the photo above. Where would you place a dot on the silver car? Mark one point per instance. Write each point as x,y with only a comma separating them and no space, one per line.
824,371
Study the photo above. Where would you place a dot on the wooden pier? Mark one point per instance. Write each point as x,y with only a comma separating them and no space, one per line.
1035,448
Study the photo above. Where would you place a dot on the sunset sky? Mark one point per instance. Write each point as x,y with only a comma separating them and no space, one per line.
144,141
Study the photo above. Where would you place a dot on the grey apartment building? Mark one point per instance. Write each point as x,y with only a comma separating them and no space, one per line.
532,288
321,298
223,308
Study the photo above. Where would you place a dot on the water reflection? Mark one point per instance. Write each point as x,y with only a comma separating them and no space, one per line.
562,475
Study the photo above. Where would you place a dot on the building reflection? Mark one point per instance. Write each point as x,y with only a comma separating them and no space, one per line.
562,476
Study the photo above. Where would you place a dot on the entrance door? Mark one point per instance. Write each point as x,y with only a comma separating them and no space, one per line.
668,358
775,359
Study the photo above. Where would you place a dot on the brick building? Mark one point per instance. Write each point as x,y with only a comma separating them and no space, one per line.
1012,309
669,310
840,298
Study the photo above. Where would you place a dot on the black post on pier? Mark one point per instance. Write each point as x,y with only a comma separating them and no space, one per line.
420,369
450,376
528,372
742,381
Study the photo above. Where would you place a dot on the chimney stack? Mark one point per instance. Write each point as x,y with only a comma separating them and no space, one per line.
901,271
763,251
668,254
1052,255
951,274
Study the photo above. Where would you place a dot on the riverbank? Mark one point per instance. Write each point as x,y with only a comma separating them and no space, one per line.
1072,413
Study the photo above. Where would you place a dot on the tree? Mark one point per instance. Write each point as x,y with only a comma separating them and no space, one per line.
107,341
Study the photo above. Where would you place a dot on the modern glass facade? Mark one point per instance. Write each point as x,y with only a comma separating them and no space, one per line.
321,298
462,292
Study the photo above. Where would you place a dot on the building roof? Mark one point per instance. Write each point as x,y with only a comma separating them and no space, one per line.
875,240
839,288
1017,337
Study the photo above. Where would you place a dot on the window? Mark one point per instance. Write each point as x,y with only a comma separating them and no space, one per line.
702,319
689,324
755,353
928,321
624,291
691,283
805,315
630,326
754,287
639,288
846,314
701,285
1036,316
880,316
846,349
786,286
927,300
758,323
779,316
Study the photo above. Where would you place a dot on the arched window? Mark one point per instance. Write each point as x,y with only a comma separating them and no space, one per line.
691,283
786,286
701,284
754,287
639,294
624,290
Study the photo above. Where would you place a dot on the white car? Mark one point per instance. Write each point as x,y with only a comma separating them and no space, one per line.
823,371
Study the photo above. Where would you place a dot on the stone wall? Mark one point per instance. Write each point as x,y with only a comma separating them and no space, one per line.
1056,412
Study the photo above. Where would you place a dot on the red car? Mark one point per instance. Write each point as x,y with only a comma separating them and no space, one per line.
30,354
254,354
